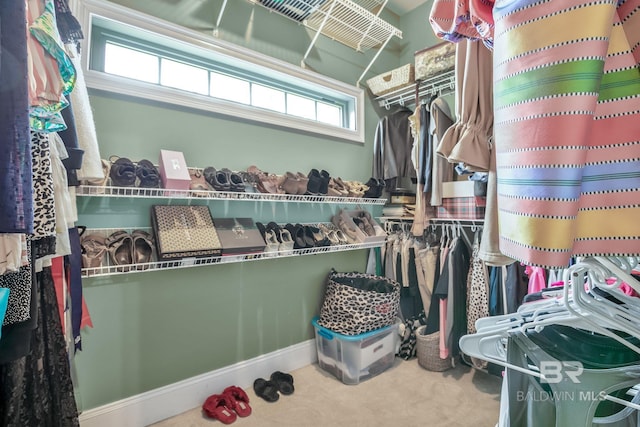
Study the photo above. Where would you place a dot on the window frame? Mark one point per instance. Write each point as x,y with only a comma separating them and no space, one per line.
189,42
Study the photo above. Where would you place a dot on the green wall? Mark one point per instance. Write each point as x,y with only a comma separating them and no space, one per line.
417,29
155,328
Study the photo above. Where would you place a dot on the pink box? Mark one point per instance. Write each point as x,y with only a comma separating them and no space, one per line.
173,170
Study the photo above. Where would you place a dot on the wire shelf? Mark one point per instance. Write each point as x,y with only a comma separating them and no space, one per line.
438,84
353,23
109,270
160,193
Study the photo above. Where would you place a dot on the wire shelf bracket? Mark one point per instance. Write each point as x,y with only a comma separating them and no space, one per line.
354,23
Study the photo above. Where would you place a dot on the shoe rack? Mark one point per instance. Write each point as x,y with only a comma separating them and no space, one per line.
159,193
107,268
354,23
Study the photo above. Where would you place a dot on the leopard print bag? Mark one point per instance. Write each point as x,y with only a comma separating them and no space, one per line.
355,303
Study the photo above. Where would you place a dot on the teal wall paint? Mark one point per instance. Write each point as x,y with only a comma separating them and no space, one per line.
156,328
420,35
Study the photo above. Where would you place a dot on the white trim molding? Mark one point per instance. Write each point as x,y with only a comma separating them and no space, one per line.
165,402
192,40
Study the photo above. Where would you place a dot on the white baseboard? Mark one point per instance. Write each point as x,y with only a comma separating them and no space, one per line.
165,402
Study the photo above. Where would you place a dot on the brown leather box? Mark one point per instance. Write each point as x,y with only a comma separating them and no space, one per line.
239,236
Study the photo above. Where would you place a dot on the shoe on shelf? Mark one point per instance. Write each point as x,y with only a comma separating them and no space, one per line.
120,248
143,244
302,183
236,184
291,183
329,233
337,188
217,179
198,186
148,174
376,187
297,235
103,181
122,172
93,249
314,183
286,242
273,246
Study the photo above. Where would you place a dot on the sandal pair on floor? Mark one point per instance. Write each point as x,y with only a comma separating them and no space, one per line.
233,402
279,382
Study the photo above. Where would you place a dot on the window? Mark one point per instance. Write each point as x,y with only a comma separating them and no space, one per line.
139,55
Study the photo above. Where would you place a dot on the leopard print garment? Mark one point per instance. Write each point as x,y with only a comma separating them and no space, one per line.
477,291
44,216
351,311
20,292
477,297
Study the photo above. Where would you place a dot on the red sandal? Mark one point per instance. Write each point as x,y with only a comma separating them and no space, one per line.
218,406
239,400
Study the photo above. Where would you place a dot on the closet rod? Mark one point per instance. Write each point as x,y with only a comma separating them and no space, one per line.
438,84
460,221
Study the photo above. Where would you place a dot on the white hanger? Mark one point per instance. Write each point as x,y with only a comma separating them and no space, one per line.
569,310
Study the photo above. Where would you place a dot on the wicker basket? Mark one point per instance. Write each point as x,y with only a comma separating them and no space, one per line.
435,60
428,351
394,79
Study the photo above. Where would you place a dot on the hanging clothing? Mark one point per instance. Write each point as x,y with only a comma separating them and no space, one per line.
392,147
456,276
84,123
16,212
490,244
477,291
567,120
20,287
52,74
467,141
68,26
537,280
461,20
427,263
442,170
36,389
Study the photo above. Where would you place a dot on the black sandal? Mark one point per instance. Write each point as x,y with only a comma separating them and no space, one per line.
123,172
148,174
266,390
217,179
283,381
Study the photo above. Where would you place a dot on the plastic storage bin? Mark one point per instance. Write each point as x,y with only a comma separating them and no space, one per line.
355,358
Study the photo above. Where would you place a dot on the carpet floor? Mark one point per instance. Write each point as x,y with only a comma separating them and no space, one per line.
405,395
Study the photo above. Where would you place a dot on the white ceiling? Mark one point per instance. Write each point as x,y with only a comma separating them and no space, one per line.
400,7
